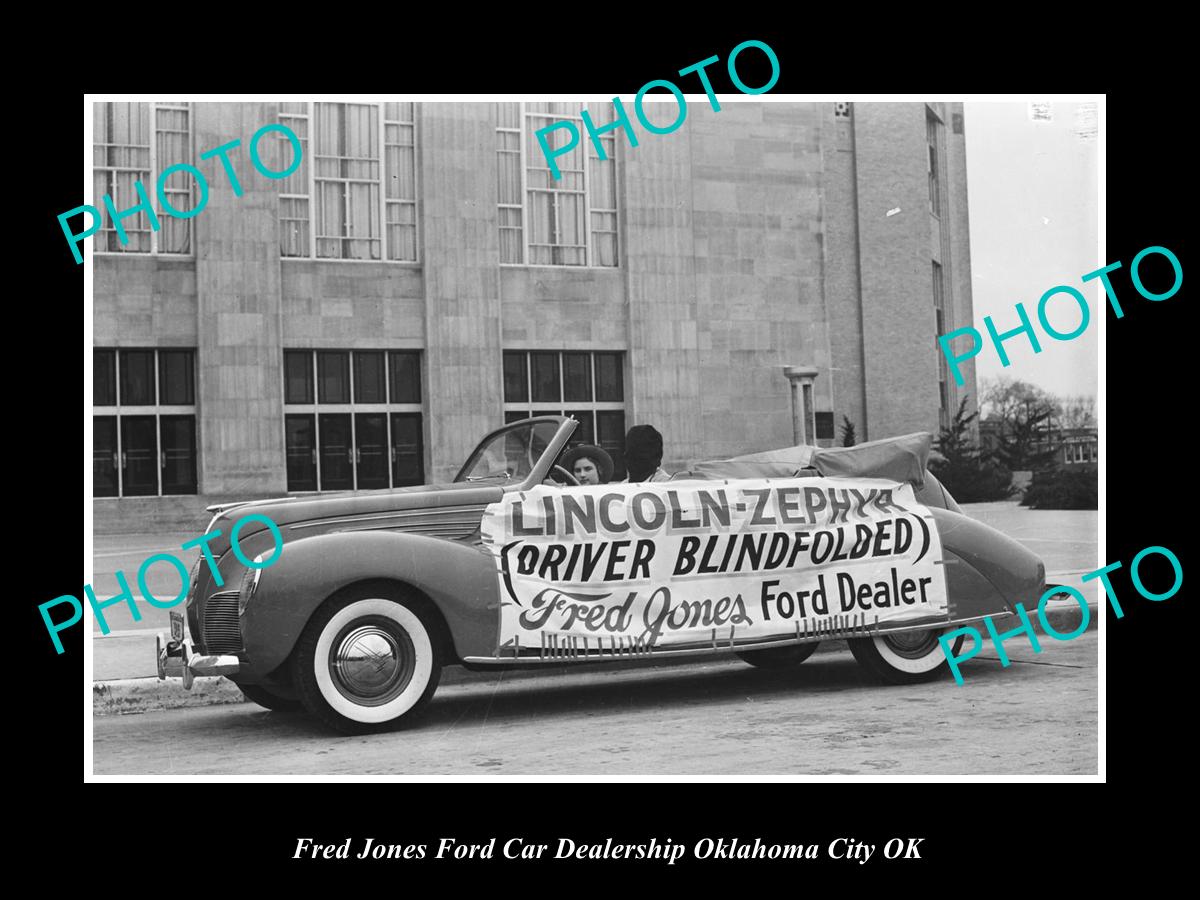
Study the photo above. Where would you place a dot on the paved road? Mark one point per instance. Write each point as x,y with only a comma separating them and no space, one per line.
1039,716
1065,539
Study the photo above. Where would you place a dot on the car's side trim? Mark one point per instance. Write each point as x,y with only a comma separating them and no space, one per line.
552,653
425,513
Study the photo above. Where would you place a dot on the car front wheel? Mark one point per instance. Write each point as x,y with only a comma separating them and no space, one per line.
905,657
367,660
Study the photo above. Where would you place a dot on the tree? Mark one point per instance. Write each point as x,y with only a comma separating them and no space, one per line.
848,436
968,473
1025,415
1077,412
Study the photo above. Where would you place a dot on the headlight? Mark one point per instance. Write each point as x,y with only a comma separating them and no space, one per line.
191,591
249,585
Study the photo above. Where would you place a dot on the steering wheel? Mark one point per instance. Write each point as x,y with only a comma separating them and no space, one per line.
571,479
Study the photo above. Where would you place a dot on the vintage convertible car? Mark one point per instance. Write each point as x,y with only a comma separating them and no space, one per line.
762,556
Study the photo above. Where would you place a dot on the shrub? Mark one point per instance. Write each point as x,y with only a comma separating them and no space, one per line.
1062,489
848,435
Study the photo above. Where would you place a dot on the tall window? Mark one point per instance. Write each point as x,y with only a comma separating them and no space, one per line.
134,142
571,221
933,128
143,422
939,313
588,386
356,196
353,419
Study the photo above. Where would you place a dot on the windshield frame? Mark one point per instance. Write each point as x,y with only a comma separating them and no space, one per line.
541,469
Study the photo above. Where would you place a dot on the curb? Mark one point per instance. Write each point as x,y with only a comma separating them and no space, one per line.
131,696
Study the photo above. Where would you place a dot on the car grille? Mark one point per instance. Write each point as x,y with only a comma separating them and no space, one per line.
221,632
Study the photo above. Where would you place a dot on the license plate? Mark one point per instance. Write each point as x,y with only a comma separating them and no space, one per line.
176,625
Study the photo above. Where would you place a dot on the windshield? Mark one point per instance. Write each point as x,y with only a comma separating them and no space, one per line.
511,454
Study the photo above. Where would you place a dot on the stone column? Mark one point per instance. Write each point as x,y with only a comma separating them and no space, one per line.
239,366
462,279
803,418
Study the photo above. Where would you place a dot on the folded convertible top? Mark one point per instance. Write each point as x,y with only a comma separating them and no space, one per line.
902,458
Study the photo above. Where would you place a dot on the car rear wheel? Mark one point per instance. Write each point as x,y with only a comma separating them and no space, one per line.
905,657
367,660
258,694
780,657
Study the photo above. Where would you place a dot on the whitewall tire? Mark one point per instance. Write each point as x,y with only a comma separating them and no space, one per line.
904,657
366,660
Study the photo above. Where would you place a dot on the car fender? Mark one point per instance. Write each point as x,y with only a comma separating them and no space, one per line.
459,577
987,572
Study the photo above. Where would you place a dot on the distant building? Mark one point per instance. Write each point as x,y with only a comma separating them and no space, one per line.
420,279
1071,447
1078,447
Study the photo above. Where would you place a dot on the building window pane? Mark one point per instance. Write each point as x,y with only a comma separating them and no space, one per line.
127,136
298,376
585,432
122,135
577,376
104,456
570,220
408,466
178,454
347,179
939,314
610,427
104,378
406,376
536,392
545,377
333,373
371,450
175,378
174,146
337,472
609,378
344,447
516,380
301,453
933,129
400,180
137,378
368,378
156,452
139,456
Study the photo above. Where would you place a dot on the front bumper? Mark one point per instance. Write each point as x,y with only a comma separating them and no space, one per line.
176,657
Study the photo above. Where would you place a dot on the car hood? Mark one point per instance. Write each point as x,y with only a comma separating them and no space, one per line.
292,510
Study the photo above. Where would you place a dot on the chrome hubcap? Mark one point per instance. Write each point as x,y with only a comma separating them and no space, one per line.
912,644
371,664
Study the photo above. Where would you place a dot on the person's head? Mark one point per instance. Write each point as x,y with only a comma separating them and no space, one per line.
589,464
586,471
643,451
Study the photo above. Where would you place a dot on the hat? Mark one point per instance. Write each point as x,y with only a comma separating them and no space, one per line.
643,449
602,460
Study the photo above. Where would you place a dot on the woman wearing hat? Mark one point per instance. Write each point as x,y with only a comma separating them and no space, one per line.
588,463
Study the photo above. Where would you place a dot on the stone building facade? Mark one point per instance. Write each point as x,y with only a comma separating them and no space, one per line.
419,280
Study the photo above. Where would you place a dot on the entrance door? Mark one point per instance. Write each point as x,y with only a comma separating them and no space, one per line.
370,432
139,456
337,472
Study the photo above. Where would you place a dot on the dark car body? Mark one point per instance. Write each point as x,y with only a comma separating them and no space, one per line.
426,542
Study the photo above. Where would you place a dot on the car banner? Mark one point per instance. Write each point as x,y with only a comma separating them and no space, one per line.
619,568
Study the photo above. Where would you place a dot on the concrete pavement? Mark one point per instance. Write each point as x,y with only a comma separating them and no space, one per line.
1038,716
